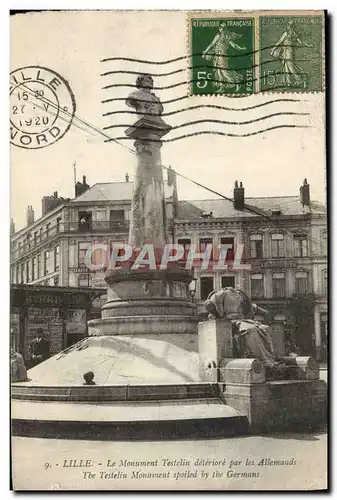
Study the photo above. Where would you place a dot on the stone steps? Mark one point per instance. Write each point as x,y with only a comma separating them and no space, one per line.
198,418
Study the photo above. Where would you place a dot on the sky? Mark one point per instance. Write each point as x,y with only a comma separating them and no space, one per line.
74,43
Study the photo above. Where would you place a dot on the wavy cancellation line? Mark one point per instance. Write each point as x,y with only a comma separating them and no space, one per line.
193,80
193,54
117,139
214,132
190,68
211,106
222,122
187,96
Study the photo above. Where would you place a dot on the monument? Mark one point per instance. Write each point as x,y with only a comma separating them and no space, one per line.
144,299
157,373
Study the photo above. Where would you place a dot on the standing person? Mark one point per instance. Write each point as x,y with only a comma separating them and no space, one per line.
39,348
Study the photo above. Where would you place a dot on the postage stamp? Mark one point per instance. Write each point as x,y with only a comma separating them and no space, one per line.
222,55
42,107
291,53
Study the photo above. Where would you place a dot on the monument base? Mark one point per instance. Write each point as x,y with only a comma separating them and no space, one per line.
142,302
299,400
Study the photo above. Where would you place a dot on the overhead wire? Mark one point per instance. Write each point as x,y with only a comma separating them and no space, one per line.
90,126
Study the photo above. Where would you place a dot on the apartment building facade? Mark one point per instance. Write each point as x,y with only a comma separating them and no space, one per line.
283,242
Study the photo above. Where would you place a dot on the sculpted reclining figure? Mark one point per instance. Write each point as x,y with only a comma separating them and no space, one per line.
251,338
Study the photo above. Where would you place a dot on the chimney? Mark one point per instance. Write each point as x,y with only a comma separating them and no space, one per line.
81,187
55,194
12,227
30,215
305,193
127,178
239,196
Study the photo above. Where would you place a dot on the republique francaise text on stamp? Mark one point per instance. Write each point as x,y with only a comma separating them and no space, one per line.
240,56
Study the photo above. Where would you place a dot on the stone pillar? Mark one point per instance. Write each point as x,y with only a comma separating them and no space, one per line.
148,219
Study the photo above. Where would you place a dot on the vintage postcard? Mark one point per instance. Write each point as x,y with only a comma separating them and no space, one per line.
169,250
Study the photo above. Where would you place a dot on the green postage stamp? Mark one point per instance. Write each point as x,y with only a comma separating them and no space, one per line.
273,51
222,55
291,53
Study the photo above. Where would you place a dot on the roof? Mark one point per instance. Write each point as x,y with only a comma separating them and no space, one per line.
113,191
288,205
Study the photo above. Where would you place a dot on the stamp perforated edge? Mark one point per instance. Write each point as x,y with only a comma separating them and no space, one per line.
256,14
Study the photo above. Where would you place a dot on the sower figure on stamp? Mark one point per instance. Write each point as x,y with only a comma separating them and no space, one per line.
217,52
285,50
251,338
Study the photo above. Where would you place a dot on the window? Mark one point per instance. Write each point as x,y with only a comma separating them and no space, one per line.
206,287
28,240
35,238
85,221
227,281
34,269
279,288
84,280
301,245
83,247
48,230
301,283
22,277
45,262
325,283
257,288
39,265
256,246
324,243
17,274
58,224
20,245
28,270
41,233
186,243
117,218
230,252
277,245
57,258
203,242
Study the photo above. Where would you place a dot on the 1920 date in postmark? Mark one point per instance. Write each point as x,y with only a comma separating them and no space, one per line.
291,53
222,55
42,107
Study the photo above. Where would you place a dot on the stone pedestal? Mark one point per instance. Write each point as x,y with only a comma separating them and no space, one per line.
215,343
144,302
299,401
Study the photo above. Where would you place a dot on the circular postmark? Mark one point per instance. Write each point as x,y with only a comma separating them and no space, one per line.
42,107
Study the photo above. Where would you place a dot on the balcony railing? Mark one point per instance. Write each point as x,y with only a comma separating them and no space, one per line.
34,243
